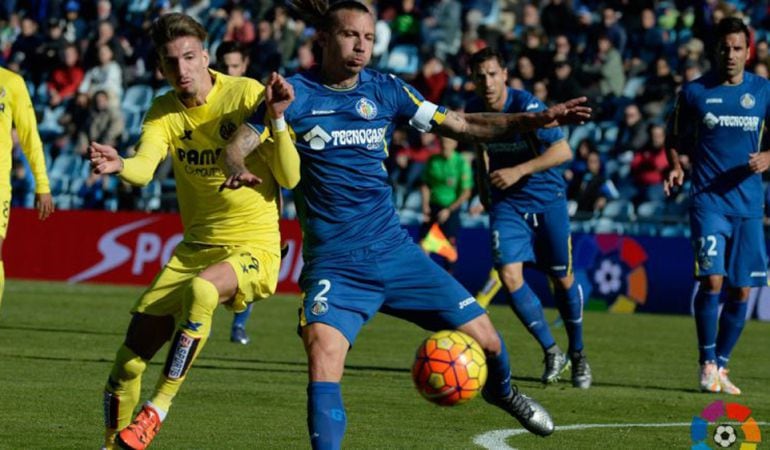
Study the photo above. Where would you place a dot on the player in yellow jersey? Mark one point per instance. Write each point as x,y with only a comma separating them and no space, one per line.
16,110
230,253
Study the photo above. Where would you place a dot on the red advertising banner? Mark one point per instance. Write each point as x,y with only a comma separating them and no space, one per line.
105,247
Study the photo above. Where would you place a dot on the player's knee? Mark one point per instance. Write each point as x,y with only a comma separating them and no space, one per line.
203,297
490,343
326,353
739,294
128,365
564,283
512,278
711,283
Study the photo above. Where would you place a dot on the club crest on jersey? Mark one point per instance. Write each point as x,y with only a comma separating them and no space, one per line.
366,108
748,101
319,308
226,129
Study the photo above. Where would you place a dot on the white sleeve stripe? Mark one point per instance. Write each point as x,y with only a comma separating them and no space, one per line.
422,118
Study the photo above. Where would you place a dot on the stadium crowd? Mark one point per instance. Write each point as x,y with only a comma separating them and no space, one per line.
90,70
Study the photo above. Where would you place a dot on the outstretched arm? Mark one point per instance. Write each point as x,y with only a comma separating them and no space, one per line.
555,155
283,160
495,126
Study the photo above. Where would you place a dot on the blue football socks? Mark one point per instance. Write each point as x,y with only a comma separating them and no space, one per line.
570,305
529,310
731,324
706,312
326,418
499,373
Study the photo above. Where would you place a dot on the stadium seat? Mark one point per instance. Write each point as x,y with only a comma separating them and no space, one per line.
649,210
403,59
620,210
137,98
413,202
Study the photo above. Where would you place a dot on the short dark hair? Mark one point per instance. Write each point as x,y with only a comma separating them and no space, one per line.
320,13
172,26
225,48
483,55
730,25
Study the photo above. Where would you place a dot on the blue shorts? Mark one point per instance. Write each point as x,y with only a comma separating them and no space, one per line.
397,277
730,246
543,238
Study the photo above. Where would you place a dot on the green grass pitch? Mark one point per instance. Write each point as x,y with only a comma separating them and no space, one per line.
57,343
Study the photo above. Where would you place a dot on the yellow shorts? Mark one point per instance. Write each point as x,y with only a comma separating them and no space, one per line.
5,205
256,270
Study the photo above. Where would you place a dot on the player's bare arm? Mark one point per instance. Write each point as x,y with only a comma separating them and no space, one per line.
497,126
675,175
44,205
555,155
760,161
278,96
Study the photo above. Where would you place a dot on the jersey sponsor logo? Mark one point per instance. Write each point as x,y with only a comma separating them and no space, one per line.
715,100
464,303
747,123
226,129
187,136
201,163
318,138
366,108
748,101
533,105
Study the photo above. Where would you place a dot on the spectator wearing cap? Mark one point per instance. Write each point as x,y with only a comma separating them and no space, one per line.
75,29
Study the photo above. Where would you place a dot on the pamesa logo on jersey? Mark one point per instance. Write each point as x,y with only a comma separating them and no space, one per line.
366,108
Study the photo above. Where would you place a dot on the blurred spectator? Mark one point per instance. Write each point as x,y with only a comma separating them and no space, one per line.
646,44
233,58
606,69
107,76
525,73
104,123
632,134
563,51
592,190
22,185
240,28
659,90
264,55
53,46
65,79
410,162
24,51
761,69
447,184
557,17
563,86
285,34
406,25
579,164
441,29
105,35
432,80
613,29
648,166
75,28
534,50
92,192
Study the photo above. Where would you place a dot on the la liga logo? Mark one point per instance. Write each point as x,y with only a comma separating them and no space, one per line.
731,421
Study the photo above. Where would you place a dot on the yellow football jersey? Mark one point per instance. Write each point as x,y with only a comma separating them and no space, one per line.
194,138
16,110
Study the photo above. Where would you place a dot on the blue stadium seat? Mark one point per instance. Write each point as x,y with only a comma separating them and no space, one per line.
403,59
137,98
621,210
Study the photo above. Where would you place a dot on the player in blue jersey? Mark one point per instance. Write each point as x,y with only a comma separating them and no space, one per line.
525,195
358,260
718,120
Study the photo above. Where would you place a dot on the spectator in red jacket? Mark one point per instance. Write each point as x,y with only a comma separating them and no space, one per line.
64,81
648,166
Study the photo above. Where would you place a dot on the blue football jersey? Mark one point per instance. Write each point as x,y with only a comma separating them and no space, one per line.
537,192
719,126
344,200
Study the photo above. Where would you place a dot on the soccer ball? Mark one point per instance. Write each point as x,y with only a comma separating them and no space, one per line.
724,436
449,368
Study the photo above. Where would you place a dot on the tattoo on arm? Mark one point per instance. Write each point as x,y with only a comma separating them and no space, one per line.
475,127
